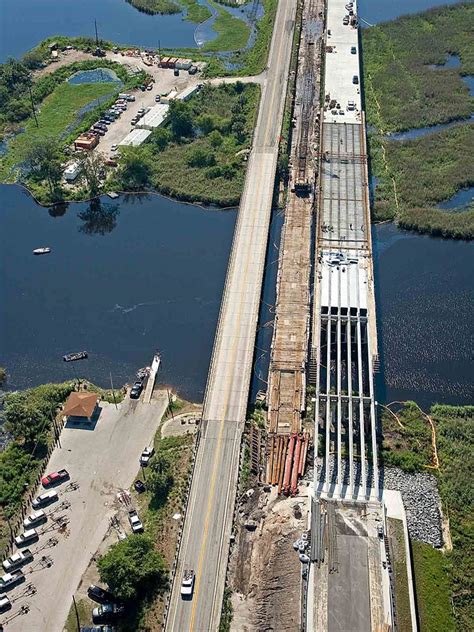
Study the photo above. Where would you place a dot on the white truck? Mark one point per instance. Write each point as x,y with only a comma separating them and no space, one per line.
135,522
187,583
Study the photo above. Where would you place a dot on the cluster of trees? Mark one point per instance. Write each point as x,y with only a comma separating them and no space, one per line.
28,418
15,82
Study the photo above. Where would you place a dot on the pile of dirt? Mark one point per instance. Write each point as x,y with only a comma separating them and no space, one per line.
265,572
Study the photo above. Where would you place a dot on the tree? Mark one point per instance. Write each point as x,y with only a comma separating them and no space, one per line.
3,375
160,138
25,421
135,171
201,157
132,567
161,478
92,167
33,59
207,123
44,160
99,218
180,119
215,138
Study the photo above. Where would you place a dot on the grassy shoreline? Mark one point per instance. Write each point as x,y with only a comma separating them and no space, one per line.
441,578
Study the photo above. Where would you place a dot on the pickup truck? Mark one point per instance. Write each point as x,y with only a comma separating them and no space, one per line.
146,456
35,518
30,535
9,580
135,521
187,583
5,604
55,478
45,499
17,559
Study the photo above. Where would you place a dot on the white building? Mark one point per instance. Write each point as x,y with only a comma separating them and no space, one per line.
135,138
155,117
72,171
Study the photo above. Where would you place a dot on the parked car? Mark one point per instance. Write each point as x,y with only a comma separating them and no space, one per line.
107,612
135,522
353,50
146,456
9,580
136,388
55,478
37,517
157,98
139,486
31,535
355,79
45,499
17,560
100,594
114,147
149,87
176,72
5,604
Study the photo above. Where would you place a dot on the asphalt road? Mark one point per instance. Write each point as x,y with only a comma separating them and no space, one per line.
208,522
102,461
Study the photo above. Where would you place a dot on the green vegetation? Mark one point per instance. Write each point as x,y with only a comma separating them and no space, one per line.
3,375
166,481
83,612
403,90
153,7
132,568
402,597
233,33
432,589
194,11
58,111
417,174
227,611
199,155
254,60
454,428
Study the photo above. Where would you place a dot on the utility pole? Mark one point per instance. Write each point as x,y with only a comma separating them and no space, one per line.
159,49
113,391
33,106
96,36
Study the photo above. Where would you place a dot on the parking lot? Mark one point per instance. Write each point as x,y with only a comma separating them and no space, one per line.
101,462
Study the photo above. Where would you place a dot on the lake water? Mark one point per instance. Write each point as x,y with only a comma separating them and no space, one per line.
154,281
424,289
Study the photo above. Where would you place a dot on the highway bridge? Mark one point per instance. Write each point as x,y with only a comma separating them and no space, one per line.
208,521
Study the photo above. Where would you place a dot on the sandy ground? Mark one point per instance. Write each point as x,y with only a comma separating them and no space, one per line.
265,572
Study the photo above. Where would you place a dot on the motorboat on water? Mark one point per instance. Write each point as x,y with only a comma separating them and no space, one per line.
72,357
42,251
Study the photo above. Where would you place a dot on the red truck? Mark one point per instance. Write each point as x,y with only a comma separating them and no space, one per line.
55,478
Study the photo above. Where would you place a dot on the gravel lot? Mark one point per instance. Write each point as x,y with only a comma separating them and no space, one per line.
101,461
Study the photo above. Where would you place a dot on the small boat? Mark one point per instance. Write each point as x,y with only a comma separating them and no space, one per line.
72,357
42,251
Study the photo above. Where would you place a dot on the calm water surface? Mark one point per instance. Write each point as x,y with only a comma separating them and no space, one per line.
424,290
154,281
